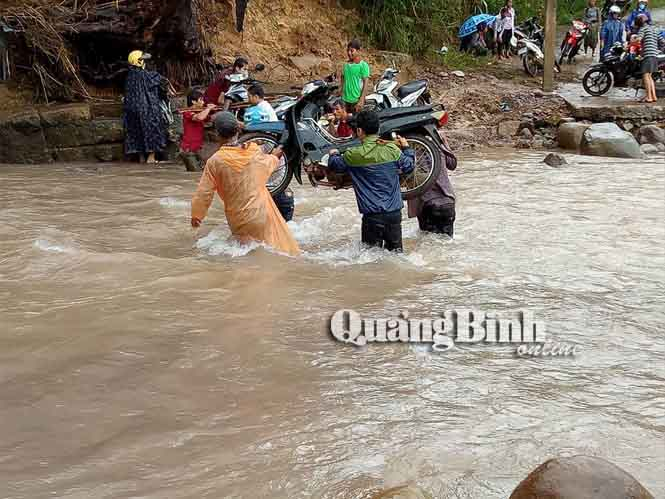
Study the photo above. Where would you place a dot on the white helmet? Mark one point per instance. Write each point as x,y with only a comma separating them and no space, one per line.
615,9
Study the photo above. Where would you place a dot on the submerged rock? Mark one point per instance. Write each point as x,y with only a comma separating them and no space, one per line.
607,139
555,160
579,477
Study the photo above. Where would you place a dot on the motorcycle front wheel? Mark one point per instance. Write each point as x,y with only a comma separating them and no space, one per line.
597,81
427,168
531,65
564,54
281,177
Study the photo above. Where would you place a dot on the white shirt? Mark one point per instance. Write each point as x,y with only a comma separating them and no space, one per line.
267,112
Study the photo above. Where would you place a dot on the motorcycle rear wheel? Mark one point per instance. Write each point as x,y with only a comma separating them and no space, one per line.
597,81
281,177
427,169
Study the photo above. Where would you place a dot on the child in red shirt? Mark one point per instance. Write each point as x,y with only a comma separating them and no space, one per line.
193,122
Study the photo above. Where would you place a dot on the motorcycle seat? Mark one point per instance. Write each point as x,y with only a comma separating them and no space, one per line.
409,88
398,112
266,126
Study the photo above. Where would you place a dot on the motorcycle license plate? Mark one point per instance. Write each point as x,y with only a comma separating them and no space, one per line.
522,51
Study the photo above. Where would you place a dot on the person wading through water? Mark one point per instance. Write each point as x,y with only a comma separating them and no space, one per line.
238,173
375,167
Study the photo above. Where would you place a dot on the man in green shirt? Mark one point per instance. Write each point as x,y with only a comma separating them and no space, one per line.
355,78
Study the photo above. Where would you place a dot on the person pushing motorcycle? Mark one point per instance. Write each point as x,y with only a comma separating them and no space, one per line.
375,167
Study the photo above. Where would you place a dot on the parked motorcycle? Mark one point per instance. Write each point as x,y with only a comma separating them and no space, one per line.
620,69
307,142
572,42
387,94
531,49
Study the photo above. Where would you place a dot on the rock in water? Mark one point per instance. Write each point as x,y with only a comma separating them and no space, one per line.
649,149
607,139
660,147
651,134
579,477
403,492
570,135
526,133
555,160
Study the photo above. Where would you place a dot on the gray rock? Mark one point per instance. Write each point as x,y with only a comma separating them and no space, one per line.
651,134
524,144
526,133
555,160
507,128
84,133
607,139
22,139
649,149
628,126
566,120
443,74
102,152
459,74
580,477
570,135
660,147
538,93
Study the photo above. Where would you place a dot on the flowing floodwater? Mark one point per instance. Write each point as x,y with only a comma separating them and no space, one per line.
142,359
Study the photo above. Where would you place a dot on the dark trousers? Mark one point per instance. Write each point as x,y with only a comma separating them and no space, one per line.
285,204
437,218
383,230
191,160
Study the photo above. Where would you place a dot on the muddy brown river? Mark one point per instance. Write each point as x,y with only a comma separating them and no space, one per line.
142,359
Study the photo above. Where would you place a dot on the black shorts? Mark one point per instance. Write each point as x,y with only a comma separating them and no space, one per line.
649,65
383,230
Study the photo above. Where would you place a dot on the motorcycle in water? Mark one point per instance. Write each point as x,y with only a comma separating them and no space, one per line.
621,69
307,142
572,42
387,94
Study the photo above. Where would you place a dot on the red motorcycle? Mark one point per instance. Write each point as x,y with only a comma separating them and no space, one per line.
573,40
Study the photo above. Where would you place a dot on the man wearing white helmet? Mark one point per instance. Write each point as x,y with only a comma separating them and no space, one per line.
612,31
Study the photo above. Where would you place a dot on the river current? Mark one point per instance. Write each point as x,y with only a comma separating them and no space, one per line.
140,358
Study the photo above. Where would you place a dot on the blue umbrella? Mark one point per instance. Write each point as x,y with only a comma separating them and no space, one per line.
471,24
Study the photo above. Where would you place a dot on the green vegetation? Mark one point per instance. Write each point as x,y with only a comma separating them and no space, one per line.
414,26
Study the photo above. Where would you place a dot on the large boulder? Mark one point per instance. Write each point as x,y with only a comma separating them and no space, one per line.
570,135
651,134
101,152
579,477
73,126
22,139
607,139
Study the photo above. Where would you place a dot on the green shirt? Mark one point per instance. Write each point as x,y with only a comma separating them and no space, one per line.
354,74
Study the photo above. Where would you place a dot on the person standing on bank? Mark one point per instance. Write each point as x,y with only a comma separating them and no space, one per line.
649,37
355,78
592,18
375,167
144,131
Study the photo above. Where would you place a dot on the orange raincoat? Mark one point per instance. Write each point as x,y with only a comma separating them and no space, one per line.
239,176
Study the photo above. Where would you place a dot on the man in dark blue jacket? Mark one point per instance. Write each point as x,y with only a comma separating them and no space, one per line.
375,167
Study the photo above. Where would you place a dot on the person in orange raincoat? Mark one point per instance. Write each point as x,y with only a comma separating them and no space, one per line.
238,173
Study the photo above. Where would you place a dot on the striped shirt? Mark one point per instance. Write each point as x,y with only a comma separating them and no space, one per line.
649,37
